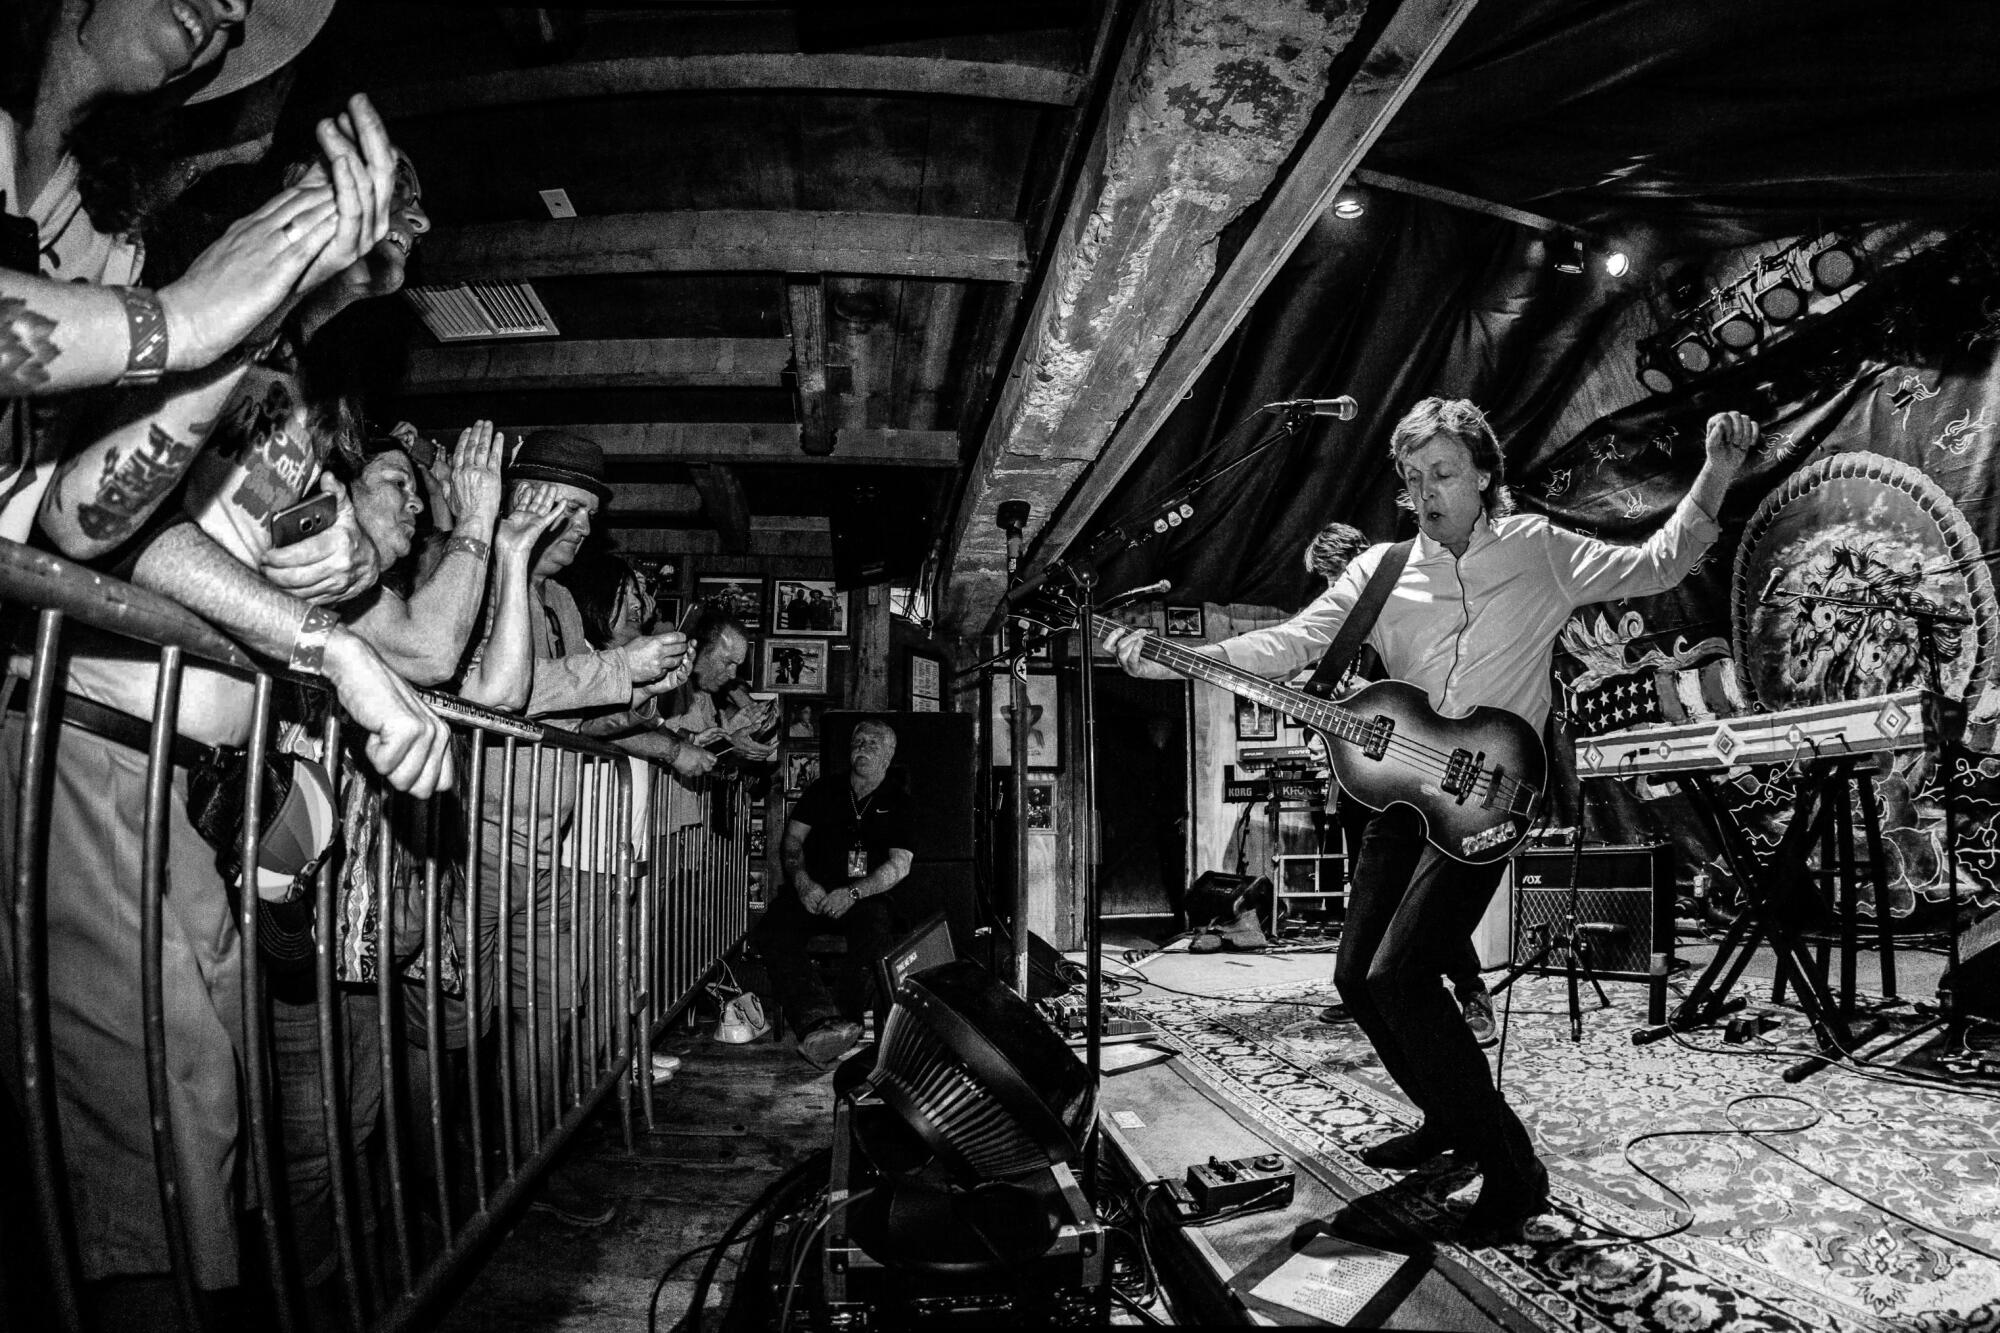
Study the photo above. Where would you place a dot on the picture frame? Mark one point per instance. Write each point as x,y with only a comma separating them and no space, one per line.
801,771
925,672
668,612
1255,721
1044,722
759,881
806,606
792,666
741,597
1185,622
802,719
1041,799
759,844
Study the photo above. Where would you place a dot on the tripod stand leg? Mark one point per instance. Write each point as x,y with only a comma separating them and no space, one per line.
1590,970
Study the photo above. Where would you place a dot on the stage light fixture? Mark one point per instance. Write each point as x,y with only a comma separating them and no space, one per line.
1568,254
1736,327
1693,352
1617,263
1779,296
1835,268
1658,372
1347,208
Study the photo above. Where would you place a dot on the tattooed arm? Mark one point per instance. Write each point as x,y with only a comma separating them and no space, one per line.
105,492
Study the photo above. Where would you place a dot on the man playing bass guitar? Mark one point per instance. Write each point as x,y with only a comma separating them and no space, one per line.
1471,621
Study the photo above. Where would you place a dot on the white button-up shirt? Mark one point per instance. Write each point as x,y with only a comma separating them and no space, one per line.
1480,628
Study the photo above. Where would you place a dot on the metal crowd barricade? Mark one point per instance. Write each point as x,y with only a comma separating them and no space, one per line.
591,903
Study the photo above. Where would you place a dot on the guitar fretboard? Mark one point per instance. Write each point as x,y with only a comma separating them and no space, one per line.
1320,714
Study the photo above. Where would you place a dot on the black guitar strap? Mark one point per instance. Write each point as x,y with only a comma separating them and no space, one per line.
1340,655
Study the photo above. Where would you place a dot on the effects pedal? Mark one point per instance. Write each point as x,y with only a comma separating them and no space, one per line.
1218,1186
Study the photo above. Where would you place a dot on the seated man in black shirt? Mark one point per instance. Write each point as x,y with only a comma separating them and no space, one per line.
846,845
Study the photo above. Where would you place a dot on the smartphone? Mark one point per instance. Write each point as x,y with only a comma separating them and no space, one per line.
304,519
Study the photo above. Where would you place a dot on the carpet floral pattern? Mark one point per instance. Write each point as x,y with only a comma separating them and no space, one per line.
1771,1246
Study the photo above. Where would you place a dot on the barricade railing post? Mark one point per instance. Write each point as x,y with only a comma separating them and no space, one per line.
503,980
532,1130
386,1029
256,1032
473,823
627,1053
435,1074
152,981
332,1041
28,918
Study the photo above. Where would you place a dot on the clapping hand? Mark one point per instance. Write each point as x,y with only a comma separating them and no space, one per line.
536,509
474,492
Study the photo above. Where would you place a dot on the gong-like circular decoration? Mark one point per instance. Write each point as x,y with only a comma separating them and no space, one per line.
1858,528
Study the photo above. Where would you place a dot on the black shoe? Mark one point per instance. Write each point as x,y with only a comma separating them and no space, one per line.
1334,1013
575,1203
1503,1205
1407,1151
1365,1226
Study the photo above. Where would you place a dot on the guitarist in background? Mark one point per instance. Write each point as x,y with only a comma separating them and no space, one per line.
1471,621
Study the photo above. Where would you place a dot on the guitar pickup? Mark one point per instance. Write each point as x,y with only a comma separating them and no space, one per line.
1461,772
1375,737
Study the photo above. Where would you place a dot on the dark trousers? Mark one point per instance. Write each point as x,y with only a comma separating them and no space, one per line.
1461,964
1411,911
870,927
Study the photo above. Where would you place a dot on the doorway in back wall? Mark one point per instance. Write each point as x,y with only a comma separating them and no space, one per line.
1142,794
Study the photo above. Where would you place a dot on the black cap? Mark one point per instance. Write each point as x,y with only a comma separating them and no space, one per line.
557,455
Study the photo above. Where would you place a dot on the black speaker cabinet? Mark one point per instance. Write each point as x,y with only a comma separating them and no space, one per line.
1976,983
1631,887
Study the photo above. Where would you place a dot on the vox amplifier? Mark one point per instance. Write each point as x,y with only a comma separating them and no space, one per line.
1629,887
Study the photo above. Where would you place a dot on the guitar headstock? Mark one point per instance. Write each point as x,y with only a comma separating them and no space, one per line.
1055,605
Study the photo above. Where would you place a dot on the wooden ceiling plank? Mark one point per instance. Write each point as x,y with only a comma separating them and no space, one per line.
666,501
812,546
612,363
727,506
1133,309
805,304
640,76
725,240
759,442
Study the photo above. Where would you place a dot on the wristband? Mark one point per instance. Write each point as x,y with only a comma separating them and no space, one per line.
309,644
146,329
472,546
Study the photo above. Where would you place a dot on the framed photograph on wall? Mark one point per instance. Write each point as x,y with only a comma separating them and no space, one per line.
802,719
926,675
1044,722
801,771
793,666
807,606
1184,622
758,889
1255,721
742,598
759,844
1041,807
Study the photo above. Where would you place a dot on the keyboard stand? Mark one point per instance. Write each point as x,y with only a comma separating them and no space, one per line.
1771,888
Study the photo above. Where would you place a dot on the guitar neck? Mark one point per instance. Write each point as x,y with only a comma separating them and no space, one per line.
1319,714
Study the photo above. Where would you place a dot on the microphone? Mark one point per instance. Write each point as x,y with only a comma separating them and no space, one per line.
1342,407
1135,594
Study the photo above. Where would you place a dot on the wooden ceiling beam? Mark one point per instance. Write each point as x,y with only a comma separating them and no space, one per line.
805,304
642,76
663,502
731,240
613,363
784,545
760,442
727,507
1213,102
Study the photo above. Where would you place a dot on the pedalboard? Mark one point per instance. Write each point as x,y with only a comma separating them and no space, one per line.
1247,1183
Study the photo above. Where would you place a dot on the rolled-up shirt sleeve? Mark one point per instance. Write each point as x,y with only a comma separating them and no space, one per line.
1589,570
578,681
1281,651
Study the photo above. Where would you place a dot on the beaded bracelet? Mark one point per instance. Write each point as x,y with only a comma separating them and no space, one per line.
146,328
309,644
472,546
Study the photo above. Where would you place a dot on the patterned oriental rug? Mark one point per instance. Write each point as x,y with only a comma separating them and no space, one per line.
1775,1243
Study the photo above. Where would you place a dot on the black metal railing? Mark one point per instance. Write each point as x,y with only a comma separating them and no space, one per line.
570,901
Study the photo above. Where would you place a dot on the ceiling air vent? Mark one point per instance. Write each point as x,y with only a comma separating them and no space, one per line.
465,311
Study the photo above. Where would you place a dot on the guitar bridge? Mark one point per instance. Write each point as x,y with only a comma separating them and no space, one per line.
1375,737
1461,772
